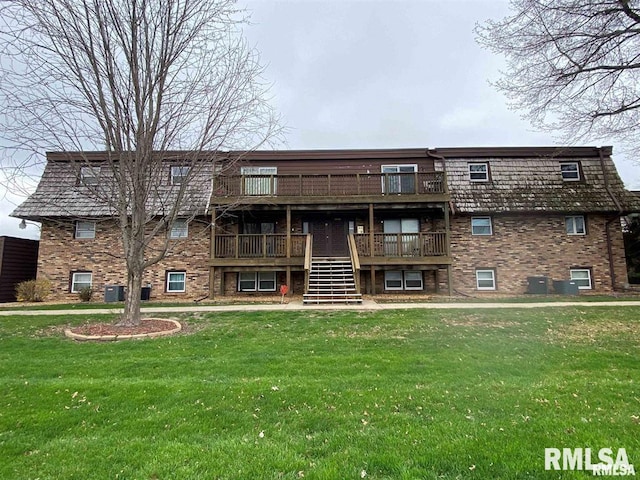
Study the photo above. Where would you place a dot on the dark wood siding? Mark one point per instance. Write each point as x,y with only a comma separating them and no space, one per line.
18,262
325,164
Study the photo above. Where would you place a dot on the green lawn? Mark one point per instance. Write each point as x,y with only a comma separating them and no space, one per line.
320,395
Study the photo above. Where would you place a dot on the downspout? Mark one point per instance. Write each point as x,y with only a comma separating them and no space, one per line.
448,216
607,228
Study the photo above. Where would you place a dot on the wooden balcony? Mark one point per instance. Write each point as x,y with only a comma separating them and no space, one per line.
409,248
272,249
358,186
258,246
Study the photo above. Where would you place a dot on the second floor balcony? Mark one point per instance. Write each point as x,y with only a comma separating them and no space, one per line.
358,185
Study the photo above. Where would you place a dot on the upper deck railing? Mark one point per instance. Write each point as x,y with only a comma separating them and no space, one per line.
331,185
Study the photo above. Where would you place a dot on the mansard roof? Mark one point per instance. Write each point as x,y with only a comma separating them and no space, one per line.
530,180
520,179
60,192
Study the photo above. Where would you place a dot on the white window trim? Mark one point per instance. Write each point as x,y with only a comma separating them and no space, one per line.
177,172
486,172
85,233
257,278
74,282
386,273
572,219
582,287
421,287
493,278
490,226
565,179
174,272
179,232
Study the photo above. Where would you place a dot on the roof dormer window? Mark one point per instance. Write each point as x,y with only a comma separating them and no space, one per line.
179,174
570,171
89,175
478,172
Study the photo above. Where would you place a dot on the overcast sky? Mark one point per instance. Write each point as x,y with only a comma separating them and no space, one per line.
382,74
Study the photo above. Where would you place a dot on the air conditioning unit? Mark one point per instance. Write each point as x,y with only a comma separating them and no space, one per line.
538,285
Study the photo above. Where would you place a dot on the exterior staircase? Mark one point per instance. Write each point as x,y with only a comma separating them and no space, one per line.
331,280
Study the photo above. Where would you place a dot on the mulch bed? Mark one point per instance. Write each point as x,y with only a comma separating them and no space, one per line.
146,326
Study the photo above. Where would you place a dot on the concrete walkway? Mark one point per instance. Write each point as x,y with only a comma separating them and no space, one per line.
367,305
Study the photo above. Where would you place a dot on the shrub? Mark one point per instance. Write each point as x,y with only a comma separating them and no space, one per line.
33,290
85,294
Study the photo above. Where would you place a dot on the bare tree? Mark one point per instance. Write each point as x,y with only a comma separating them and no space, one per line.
149,82
572,65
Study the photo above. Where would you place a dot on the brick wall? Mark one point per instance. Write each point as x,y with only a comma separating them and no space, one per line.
535,245
61,254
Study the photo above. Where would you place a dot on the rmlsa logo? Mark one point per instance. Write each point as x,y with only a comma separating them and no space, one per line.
606,464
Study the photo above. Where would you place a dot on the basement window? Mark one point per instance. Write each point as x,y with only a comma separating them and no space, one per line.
486,279
393,280
257,282
176,282
413,280
403,280
80,280
582,277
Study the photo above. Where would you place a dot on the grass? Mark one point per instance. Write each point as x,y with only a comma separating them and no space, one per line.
322,395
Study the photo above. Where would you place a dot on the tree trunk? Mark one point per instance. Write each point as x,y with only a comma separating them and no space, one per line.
131,316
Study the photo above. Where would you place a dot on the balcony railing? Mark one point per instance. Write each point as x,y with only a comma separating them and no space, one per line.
429,244
417,183
258,246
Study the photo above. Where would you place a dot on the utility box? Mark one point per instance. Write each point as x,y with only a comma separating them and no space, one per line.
566,287
114,293
538,285
145,293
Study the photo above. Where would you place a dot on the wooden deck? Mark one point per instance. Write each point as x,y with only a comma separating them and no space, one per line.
331,185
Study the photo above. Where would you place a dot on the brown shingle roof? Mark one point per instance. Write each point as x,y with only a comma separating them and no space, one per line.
60,194
535,183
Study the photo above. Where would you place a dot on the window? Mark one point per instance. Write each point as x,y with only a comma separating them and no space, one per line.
479,172
486,279
575,225
413,280
176,281
260,180
405,182
257,281
262,228
179,174
89,175
406,244
582,276
393,280
180,228
403,280
481,226
570,171
85,229
80,280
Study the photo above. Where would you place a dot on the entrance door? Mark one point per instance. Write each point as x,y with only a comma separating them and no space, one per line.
329,238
